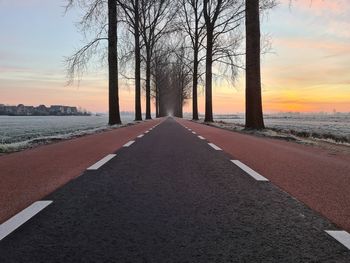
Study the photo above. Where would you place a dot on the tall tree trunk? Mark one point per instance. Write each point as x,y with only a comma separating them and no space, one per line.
138,112
114,114
254,113
148,84
181,101
195,85
157,100
208,77
161,103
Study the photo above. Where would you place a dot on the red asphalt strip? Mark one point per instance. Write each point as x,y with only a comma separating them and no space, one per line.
312,175
30,175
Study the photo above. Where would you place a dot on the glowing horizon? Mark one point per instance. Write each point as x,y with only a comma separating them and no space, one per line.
308,70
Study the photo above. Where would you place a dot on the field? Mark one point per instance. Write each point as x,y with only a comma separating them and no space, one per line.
22,132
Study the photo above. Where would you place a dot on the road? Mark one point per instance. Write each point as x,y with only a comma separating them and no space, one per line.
32,174
171,197
317,177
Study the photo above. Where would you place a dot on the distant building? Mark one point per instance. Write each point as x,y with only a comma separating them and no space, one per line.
11,110
28,110
2,109
56,110
73,110
20,110
41,110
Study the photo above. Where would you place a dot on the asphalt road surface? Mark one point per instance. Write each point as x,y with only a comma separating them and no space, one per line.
170,197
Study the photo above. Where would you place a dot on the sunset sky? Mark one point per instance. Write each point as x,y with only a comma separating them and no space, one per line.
307,70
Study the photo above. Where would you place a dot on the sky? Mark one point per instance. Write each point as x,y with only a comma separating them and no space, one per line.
306,70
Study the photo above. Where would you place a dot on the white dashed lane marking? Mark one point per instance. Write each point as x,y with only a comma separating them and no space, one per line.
249,171
201,137
215,147
342,237
101,162
140,136
16,221
128,144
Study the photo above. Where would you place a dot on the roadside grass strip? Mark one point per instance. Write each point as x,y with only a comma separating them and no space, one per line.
342,237
251,172
215,147
128,144
140,136
101,162
19,219
201,137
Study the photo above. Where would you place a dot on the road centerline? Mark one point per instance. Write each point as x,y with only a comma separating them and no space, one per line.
101,162
342,237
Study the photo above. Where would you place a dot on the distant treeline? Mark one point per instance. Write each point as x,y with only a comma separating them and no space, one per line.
41,110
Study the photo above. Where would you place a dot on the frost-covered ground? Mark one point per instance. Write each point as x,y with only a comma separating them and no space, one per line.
19,132
328,127
22,132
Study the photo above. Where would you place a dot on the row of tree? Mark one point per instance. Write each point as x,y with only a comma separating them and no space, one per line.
173,46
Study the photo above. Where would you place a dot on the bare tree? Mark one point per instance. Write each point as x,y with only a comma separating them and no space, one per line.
114,113
131,12
161,77
155,20
171,75
100,20
254,113
181,78
254,110
221,17
192,14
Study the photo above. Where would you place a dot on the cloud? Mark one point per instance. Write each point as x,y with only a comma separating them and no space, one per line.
319,6
326,45
14,69
329,18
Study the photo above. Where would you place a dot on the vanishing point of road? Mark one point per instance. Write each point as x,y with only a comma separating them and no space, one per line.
168,195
